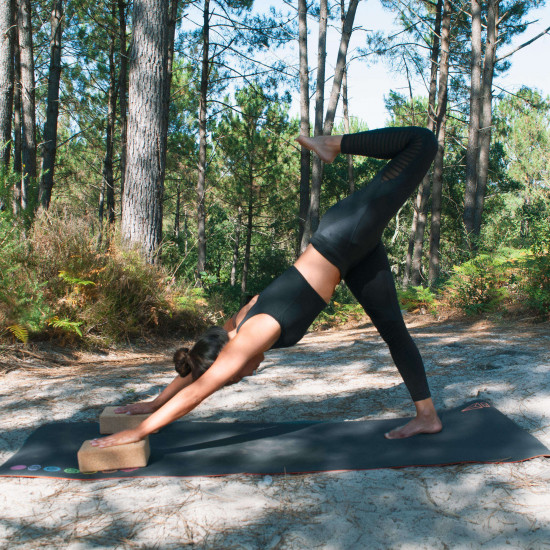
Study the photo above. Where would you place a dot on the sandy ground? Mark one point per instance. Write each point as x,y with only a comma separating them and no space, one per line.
339,374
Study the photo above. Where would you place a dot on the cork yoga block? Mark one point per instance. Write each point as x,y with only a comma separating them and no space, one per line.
110,423
96,459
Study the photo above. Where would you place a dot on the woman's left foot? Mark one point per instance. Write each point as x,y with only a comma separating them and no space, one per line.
430,424
326,147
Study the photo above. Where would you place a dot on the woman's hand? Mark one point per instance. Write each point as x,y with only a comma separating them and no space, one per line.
147,407
120,438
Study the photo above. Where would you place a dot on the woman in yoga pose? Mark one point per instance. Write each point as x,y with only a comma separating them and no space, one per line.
346,246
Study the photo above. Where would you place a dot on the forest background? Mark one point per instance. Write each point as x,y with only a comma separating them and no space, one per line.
150,181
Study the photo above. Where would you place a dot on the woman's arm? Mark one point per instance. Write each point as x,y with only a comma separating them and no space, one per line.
151,406
233,323
244,351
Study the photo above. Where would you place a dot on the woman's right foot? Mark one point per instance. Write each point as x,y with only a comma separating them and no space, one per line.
326,148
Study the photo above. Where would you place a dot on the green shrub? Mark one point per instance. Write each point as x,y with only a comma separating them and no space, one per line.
478,285
60,281
536,282
417,298
341,309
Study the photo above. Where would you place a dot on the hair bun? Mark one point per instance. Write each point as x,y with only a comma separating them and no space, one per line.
182,362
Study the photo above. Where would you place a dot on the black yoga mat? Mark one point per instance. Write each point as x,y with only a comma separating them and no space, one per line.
474,432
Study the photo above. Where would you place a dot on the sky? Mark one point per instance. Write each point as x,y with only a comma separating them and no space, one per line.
369,84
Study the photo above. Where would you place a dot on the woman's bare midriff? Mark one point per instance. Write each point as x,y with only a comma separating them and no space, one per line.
322,275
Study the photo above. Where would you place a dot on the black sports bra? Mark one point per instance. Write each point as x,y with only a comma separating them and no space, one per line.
292,302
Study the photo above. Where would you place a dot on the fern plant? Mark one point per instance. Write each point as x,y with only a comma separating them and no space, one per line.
66,325
416,298
19,332
74,280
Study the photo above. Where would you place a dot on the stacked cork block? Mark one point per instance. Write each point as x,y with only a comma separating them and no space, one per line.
131,455
111,423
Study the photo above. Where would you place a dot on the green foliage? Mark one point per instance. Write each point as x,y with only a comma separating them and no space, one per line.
342,309
418,298
61,282
74,280
66,325
536,283
21,333
478,285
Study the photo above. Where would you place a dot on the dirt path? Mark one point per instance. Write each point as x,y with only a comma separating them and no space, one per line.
345,374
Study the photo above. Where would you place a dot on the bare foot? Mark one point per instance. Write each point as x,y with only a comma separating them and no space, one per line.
418,425
326,147
425,422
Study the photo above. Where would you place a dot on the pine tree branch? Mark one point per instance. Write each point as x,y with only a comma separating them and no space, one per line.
546,31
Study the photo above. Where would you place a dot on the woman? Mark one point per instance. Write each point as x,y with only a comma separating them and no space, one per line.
346,246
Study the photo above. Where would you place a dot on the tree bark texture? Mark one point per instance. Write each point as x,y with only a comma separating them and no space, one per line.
177,212
441,118
345,105
413,265
16,106
472,150
28,109
305,155
339,69
486,112
326,128
312,218
201,180
108,173
234,261
49,147
17,162
122,92
249,227
172,18
6,79
144,185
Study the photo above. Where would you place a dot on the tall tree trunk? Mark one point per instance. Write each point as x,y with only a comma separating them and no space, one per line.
185,231
305,155
441,119
49,147
108,176
486,111
17,163
122,91
413,264
313,209
172,18
28,109
326,128
6,79
339,69
233,277
246,259
201,181
345,105
472,151
177,214
144,186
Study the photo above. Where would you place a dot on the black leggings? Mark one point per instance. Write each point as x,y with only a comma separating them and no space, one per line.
371,282
351,229
349,236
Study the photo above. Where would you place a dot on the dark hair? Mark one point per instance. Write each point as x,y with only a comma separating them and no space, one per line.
200,357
